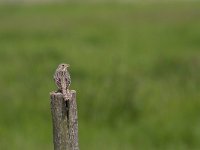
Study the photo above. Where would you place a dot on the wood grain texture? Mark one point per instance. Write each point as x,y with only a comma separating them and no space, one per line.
73,123
65,122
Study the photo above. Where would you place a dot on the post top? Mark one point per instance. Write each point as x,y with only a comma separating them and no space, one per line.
59,93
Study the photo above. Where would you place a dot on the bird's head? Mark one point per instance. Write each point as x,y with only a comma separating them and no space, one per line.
63,67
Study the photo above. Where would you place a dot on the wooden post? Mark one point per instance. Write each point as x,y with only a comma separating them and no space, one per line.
65,121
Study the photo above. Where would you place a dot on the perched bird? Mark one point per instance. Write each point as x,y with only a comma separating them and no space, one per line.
62,80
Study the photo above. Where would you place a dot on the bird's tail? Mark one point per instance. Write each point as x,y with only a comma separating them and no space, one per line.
65,95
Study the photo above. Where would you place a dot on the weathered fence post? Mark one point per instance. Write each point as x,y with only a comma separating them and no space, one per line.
65,121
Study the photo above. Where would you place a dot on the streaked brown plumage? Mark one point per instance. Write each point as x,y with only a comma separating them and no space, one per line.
62,80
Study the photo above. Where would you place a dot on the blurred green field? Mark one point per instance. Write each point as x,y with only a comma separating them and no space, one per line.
135,67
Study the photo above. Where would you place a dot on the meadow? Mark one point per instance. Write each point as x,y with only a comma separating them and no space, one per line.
135,67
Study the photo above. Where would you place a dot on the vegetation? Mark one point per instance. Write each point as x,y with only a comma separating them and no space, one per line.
136,69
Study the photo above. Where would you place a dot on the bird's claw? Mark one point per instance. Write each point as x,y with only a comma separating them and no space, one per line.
68,96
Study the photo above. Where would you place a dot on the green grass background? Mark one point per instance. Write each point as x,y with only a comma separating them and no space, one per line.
135,67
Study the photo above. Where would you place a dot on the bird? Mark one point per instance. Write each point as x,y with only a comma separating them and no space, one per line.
62,80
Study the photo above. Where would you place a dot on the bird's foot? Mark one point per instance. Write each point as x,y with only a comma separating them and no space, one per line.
68,96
